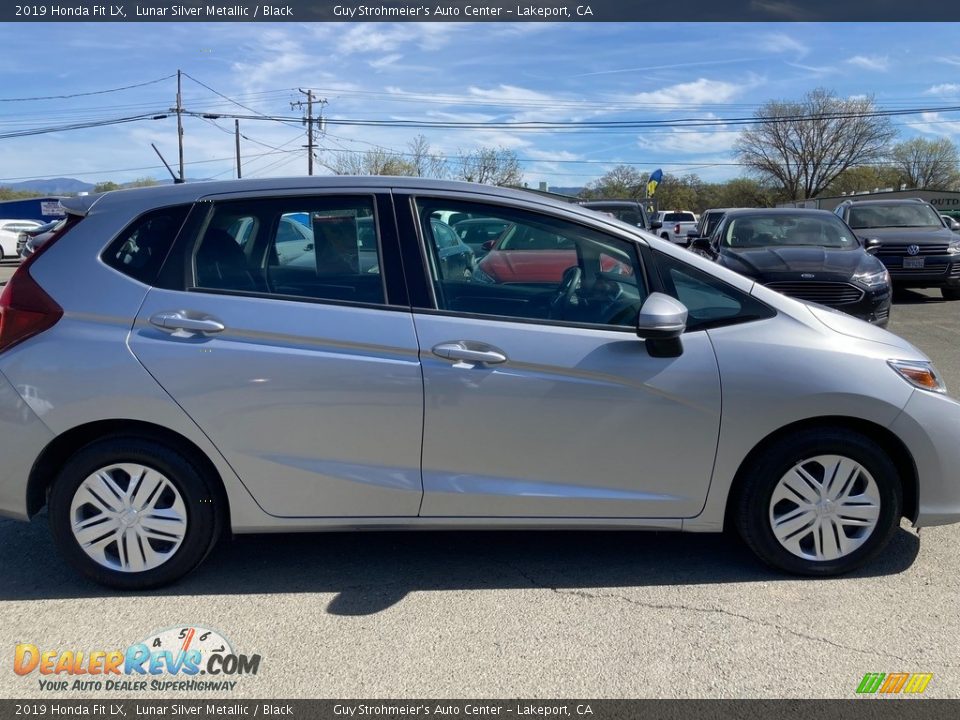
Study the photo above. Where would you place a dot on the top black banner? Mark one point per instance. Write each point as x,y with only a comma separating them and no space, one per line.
485,11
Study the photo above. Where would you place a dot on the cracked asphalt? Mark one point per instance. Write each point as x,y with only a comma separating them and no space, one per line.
548,615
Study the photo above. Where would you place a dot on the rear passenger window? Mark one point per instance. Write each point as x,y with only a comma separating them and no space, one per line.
318,248
139,251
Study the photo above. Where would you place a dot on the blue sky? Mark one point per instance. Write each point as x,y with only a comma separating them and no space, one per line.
438,71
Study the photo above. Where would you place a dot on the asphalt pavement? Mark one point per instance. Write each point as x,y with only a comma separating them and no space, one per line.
510,614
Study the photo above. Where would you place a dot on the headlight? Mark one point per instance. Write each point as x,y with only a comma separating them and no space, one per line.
954,248
919,374
481,277
873,279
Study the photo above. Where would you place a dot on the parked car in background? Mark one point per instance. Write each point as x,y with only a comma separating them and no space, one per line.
951,222
808,254
918,250
25,235
34,240
628,211
9,235
707,223
674,224
210,390
477,232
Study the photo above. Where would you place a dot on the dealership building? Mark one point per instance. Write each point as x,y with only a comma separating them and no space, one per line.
945,201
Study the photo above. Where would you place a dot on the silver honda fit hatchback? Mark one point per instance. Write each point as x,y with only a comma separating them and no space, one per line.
177,364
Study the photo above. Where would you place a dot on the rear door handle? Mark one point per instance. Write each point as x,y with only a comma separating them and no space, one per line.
470,351
188,321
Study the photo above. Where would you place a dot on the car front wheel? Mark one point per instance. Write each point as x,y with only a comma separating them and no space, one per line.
819,502
132,513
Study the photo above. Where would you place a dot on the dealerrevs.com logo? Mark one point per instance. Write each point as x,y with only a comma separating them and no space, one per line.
190,658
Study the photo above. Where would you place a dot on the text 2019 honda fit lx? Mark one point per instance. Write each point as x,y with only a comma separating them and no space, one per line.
177,364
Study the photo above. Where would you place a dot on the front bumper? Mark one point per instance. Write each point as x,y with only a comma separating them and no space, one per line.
930,427
937,271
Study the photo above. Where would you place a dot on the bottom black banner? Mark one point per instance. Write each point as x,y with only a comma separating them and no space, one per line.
867,708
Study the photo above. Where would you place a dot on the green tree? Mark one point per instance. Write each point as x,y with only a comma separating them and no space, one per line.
105,186
621,183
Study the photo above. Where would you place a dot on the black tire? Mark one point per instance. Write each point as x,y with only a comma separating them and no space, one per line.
752,503
204,516
950,293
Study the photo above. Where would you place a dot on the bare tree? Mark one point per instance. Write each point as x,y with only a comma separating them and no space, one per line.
803,146
425,162
491,166
930,164
378,161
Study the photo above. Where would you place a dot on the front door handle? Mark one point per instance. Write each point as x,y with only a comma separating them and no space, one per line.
188,321
470,351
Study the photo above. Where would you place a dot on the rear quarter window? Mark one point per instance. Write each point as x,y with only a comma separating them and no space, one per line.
139,251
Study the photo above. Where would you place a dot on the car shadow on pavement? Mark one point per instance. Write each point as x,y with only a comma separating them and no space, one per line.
370,572
905,296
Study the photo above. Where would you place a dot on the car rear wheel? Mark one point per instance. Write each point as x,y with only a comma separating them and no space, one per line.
950,293
819,502
133,513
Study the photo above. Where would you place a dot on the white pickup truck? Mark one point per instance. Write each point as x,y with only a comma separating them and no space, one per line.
674,224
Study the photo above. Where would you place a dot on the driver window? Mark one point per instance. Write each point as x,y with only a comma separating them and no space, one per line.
533,267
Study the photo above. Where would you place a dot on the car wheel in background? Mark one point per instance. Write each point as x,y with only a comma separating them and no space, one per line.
950,293
133,513
819,502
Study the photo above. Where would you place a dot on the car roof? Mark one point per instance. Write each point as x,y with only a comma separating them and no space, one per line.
614,203
808,212
172,194
890,201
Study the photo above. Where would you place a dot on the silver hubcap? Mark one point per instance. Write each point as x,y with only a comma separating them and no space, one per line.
825,507
128,517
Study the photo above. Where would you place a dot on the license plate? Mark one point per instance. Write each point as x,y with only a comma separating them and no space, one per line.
913,262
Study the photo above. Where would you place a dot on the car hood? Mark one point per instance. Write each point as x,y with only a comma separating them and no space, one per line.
918,235
762,263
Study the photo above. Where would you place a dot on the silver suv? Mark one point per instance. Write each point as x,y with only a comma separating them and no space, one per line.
167,376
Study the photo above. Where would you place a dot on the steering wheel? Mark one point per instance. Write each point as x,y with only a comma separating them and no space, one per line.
568,286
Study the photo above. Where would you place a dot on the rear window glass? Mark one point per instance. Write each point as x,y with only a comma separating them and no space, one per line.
678,217
139,251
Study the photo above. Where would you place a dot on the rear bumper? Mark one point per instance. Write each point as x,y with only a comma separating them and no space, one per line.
930,427
23,436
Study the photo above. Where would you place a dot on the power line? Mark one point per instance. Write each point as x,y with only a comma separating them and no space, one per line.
86,94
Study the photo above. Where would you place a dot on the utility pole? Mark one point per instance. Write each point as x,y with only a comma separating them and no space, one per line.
236,135
180,125
309,122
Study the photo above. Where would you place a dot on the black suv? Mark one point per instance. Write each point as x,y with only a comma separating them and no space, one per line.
916,246
628,211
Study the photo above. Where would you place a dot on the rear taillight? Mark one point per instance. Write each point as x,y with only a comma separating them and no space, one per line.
25,308
676,229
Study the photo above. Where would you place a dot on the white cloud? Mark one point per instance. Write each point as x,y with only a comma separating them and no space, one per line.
950,60
694,142
377,38
385,61
698,92
870,62
932,123
782,43
943,89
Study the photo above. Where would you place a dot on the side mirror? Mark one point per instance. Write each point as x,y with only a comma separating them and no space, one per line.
661,321
655,224
661,318
702,244
871,245
488,245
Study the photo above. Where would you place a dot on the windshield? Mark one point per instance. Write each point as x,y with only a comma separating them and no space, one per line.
905,215
753,231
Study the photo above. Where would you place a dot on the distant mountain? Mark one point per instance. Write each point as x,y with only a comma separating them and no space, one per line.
52,186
